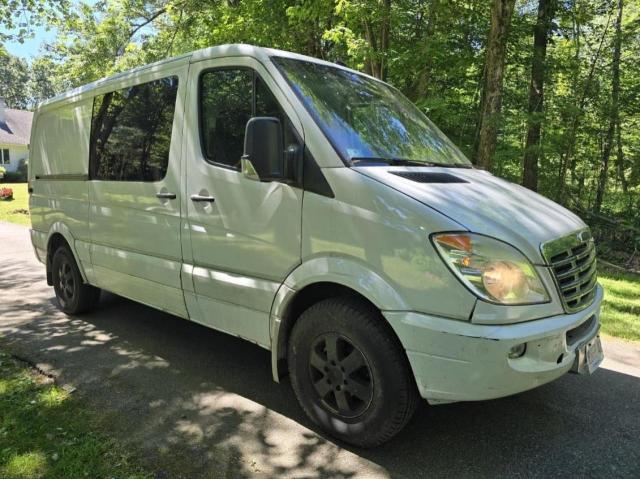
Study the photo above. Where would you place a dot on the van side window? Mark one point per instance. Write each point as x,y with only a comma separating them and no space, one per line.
131,132
229,98
226,97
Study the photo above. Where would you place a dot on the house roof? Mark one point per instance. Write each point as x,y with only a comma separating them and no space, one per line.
16,127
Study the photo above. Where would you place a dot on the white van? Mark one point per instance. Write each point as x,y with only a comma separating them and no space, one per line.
316,212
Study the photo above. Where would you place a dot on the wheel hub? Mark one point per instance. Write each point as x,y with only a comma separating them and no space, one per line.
340,375
335,375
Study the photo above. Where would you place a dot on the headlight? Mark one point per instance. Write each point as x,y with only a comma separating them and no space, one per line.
491,269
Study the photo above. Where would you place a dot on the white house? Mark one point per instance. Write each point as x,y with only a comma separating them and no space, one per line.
15,129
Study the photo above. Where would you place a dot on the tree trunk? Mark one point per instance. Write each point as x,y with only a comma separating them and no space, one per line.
378,42
501,11
620,158
614,111
532,149
384,39
424,76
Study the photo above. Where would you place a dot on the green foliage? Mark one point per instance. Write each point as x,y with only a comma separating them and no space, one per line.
14,72
14,177
19,17
23,169
23,85
434,52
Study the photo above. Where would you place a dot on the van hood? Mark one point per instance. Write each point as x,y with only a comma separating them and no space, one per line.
481,203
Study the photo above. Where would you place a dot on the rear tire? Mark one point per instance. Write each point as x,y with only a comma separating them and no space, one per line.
73,295
349,372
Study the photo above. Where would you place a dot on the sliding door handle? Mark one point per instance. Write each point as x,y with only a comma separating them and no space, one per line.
201,198
166,195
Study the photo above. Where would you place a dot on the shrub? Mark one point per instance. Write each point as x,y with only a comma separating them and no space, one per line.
14,177
6,194
23,166
2,172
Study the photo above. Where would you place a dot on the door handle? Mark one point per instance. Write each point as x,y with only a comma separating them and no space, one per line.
200,198
166,196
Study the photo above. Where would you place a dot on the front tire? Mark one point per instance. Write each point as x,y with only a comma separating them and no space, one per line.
350,373
73,295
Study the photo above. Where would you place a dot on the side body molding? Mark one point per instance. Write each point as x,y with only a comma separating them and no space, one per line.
342,270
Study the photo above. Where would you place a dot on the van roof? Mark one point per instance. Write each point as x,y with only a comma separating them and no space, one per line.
220,51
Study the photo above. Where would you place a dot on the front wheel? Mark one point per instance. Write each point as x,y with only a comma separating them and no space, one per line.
349,372
74,296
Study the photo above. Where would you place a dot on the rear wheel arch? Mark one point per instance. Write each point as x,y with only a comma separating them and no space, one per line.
60,236
56,241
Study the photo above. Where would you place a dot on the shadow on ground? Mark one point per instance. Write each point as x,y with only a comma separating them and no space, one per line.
199,403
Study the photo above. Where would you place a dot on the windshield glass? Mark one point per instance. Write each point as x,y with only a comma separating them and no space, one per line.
366,120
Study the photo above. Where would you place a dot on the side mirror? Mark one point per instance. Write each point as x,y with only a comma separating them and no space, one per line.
263,158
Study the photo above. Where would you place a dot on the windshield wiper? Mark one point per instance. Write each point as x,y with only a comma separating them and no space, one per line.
369,161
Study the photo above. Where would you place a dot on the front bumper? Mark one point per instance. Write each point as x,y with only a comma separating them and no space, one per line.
459,361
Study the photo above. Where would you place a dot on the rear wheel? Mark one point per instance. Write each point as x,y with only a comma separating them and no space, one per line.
349,372
74,296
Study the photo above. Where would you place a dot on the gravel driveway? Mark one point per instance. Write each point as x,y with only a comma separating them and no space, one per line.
198,403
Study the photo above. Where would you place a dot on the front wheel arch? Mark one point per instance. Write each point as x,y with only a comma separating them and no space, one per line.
337,392
319,278
300,302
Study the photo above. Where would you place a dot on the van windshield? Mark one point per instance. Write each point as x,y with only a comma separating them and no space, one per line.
367,121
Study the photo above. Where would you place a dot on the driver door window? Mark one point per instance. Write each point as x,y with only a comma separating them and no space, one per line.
228,99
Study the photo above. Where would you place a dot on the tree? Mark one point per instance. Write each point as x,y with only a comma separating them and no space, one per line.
376,29
614,120
19,17
43,80
14,75
501,11
496,97
535,119
578,110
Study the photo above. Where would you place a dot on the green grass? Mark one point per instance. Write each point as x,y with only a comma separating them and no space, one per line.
47,433
15,210
620,315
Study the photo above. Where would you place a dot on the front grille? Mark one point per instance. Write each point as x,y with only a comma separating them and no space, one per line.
573,263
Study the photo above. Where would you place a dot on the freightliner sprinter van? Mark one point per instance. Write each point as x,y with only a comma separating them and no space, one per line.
315,211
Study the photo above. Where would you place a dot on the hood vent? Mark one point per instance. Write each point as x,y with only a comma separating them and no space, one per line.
429,177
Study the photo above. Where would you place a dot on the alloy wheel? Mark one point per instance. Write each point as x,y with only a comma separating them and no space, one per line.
340,375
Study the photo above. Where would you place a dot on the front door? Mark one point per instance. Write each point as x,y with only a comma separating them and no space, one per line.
244,234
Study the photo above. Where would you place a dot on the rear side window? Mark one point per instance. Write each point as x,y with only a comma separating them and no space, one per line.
131,132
